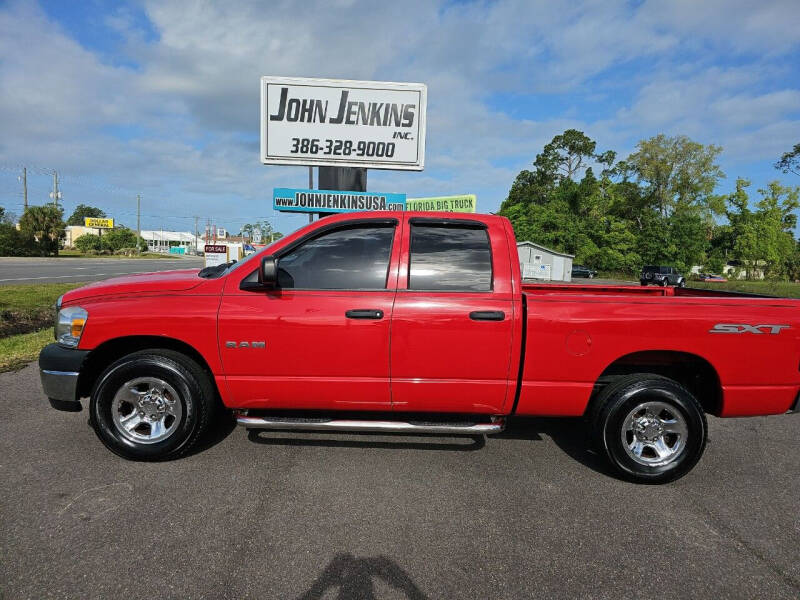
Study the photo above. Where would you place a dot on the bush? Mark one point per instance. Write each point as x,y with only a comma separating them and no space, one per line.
119,238
16,243
88,242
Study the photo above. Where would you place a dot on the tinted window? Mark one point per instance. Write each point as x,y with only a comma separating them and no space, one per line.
356,258
449,258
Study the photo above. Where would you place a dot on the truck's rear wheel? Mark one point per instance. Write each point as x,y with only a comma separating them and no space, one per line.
152,405
650,428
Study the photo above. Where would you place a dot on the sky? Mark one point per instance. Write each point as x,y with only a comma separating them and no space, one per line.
161,98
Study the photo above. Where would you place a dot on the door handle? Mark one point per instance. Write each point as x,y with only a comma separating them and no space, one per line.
364,313
487,315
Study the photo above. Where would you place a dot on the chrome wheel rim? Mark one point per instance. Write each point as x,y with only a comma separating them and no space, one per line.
146,410
654,434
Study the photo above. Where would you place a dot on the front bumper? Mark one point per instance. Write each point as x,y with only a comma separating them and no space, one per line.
59,369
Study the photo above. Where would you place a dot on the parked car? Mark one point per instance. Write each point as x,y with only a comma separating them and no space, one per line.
663,276
711,277
581,271
299,339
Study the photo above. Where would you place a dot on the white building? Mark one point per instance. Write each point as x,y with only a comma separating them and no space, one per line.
539,262
161,241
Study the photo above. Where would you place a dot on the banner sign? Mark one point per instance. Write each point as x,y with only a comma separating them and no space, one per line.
332,201
466,203
215,254
337,122
98,223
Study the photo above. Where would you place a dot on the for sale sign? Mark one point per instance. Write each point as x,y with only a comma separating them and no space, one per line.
215,254
335,122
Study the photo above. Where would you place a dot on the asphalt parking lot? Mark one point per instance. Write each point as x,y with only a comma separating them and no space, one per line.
14,271
529,513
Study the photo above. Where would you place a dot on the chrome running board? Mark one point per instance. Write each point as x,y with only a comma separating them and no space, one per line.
496,425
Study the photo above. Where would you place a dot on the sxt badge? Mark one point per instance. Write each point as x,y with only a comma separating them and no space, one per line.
745,328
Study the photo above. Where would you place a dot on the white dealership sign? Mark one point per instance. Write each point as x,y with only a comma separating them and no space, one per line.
336,122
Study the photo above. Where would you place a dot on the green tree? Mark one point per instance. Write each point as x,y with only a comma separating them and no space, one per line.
81,212
762,239
567,155
688,237
6,216
561,160
677,173
615,247
248,228
46,225
790,161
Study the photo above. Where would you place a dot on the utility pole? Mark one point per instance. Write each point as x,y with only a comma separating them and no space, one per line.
25,189
138,225
195,233
311,187
55,188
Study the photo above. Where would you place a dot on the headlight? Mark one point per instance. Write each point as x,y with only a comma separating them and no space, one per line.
69,325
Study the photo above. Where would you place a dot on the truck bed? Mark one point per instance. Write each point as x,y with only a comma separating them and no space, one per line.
577,334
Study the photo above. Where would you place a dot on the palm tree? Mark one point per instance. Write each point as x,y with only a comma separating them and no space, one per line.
46,225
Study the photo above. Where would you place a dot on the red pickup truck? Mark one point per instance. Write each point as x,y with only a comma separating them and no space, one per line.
415,322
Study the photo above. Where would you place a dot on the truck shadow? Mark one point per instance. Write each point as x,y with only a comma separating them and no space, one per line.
220,429
367,440
354,579
569,434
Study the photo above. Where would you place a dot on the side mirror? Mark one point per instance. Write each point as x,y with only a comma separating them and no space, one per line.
268,273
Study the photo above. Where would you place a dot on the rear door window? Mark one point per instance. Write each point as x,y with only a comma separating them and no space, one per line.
449,258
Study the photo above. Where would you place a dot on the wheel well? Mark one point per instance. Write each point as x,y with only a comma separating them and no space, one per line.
108,352
690,370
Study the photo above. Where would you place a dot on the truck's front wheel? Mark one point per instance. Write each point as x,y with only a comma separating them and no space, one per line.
152,405
651,428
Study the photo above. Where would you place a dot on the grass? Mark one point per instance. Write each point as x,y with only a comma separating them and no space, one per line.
617,276
784,289
29,307
18,350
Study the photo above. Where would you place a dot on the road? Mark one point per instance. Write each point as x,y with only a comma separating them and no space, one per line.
525,514
66,269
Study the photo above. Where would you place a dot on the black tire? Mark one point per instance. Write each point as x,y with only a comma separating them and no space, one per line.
664,282
616,402
682,283
194,390
643,282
